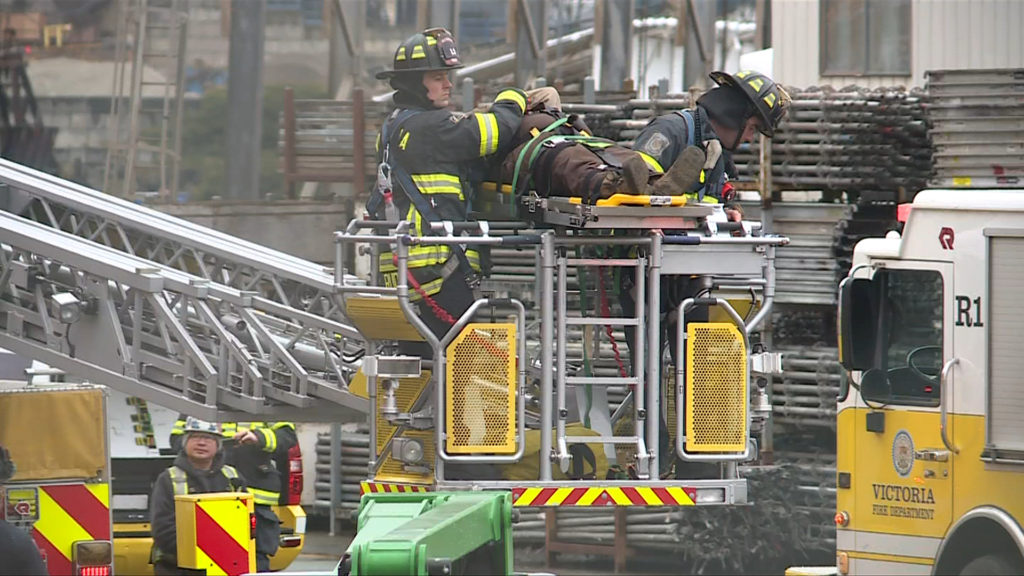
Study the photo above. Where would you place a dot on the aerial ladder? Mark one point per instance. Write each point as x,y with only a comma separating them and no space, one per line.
167,310
464,428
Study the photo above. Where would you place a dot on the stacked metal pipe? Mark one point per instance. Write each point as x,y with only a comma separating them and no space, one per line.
805,394
355,456
976,120
860,142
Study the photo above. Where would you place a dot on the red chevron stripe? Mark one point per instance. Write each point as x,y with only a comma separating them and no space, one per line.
544,496
56,562
664,496
574,496
634,496
224,550
83,506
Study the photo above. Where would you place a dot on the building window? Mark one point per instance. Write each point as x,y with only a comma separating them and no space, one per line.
865,37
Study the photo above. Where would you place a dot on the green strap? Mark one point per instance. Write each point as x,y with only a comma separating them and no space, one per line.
533,144
591,142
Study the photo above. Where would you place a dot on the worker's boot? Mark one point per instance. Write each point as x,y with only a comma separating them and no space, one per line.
635,175
630,179
683,176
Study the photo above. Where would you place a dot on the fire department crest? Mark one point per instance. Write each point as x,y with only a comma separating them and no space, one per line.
903,453
656,144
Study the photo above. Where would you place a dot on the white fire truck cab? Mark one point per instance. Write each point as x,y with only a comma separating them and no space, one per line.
930,435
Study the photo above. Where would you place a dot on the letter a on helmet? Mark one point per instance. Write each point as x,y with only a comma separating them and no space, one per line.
432,49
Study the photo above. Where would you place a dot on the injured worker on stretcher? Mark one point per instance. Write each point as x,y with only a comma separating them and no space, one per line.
556,154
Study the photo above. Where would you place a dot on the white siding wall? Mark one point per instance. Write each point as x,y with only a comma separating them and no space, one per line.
946,34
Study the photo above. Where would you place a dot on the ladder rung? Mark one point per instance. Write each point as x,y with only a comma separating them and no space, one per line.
602,322
600,439
601,380
603,262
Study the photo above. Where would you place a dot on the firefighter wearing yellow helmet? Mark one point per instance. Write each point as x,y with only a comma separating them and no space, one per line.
425,152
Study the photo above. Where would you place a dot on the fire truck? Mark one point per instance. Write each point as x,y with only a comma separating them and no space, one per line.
931,441
464,428
60,492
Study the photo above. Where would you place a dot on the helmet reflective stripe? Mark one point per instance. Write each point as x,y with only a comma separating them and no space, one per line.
426,51
197,425
768,98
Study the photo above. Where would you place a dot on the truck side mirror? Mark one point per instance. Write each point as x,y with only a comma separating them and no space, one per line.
857,324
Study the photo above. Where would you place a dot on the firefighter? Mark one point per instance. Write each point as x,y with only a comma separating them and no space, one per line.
251,447
198,469
724,117
426,155
17,549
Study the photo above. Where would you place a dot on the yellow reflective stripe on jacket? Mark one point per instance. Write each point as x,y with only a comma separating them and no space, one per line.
488,125
279,425
431,288
438,184
265,497
179,428
420,256
269,438
179,479
651,162
513,95
707,199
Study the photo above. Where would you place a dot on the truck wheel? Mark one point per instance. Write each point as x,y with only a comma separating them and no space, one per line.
990,564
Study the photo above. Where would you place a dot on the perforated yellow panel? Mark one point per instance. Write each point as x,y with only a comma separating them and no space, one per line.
393,470
716,388
481,385
380,319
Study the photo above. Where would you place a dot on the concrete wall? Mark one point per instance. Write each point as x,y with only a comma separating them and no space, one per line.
945,34
83,133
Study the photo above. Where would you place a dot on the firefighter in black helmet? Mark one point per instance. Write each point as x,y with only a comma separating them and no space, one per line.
726,116
426,152
729,114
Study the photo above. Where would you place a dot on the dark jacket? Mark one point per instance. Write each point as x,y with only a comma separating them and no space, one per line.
437,149
255,462
578,173
161,503
666,136
18,553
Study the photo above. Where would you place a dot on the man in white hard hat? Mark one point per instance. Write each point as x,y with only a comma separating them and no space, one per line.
199,468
